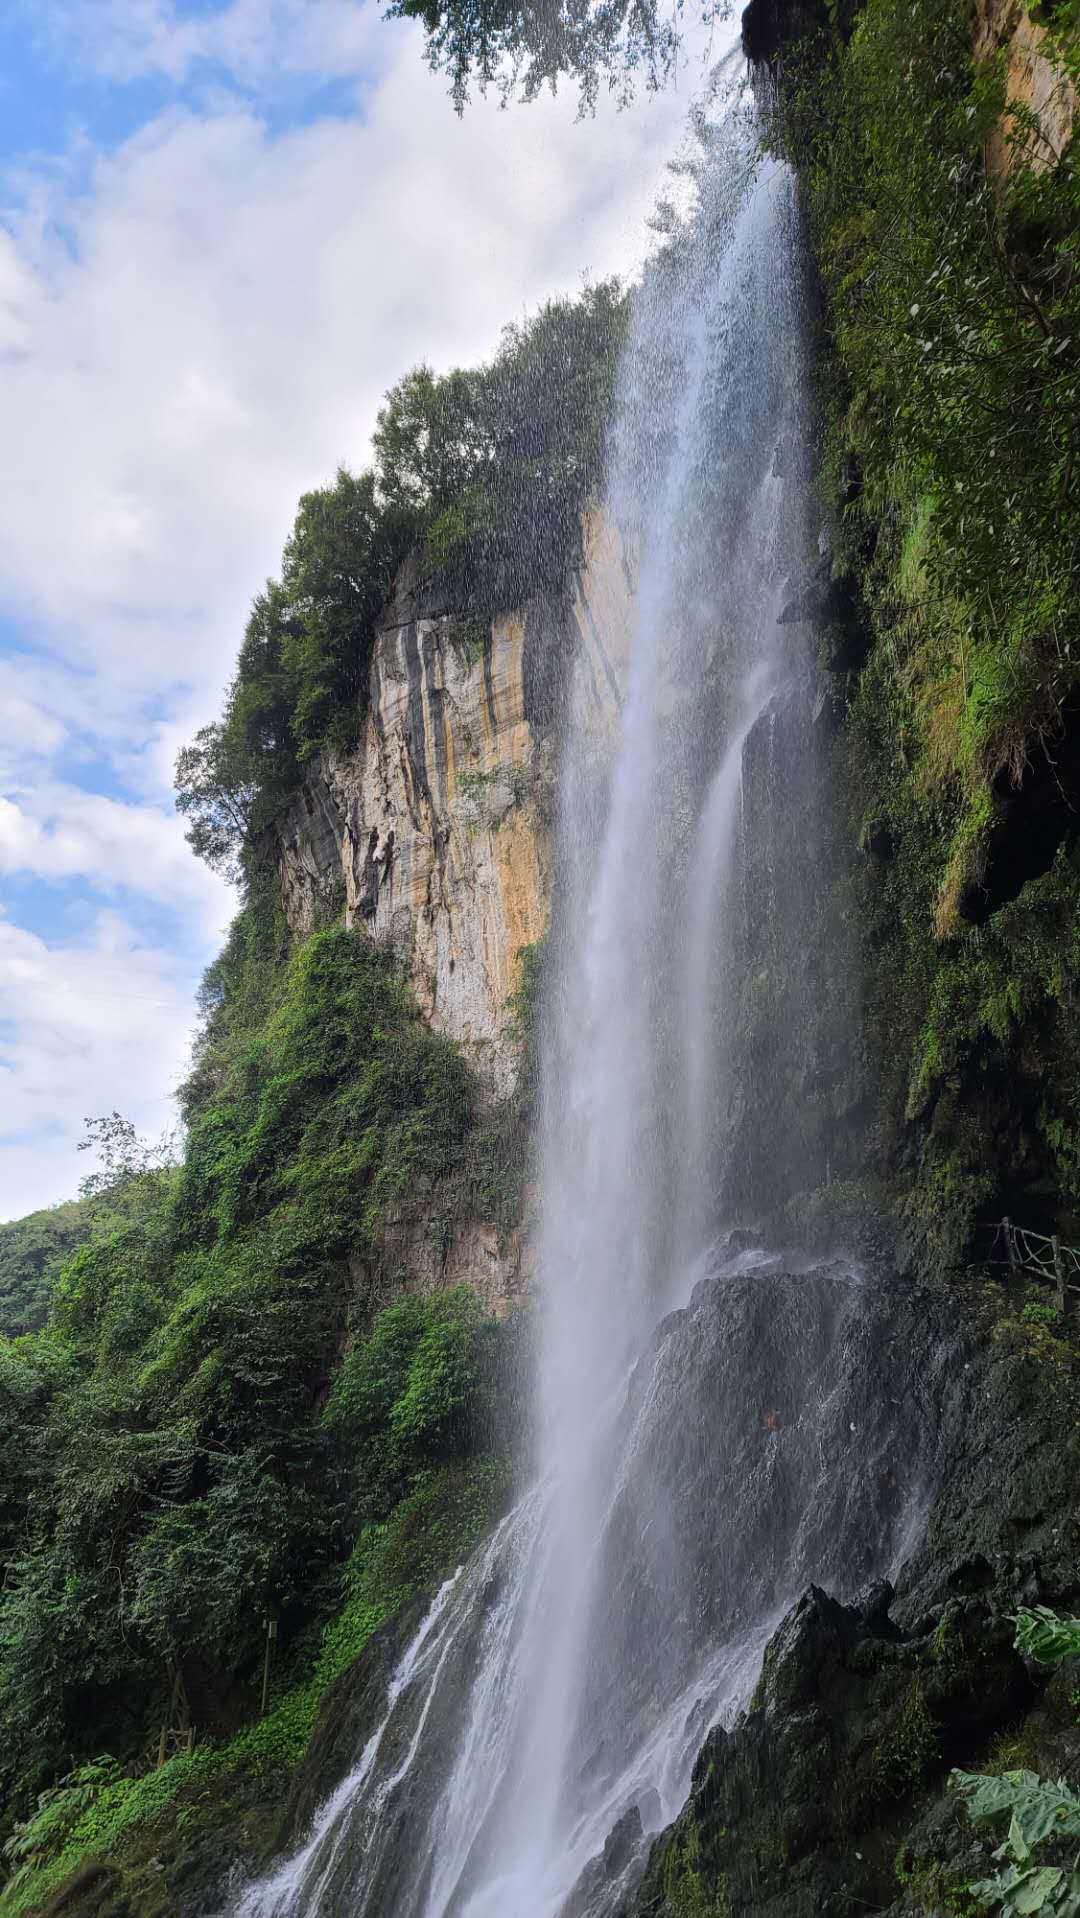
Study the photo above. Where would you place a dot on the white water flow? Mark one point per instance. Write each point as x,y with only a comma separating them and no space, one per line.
697,1464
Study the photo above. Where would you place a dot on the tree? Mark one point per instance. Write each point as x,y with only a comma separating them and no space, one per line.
431,439
337,573
521,47
215,793
124,1155
498,462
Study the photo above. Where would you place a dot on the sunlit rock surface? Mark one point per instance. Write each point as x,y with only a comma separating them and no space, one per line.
436,831
413,1258
1034,83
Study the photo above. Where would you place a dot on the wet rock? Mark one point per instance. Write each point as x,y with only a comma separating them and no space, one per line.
830,1793
820,598
350,1710
606,1881
873,1607
795,1812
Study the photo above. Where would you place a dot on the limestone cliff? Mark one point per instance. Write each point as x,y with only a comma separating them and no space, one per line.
1034,83
436,832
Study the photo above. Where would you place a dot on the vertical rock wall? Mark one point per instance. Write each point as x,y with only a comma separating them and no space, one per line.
1032,81
436,831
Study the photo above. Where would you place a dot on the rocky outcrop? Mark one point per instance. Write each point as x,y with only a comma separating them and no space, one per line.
435,833
829,1794
421,1251
1034,83
795,1813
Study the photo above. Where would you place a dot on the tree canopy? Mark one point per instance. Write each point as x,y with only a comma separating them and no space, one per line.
521,48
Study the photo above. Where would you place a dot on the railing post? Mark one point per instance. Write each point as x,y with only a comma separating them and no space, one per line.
1059,1276
1010,1246
271,1634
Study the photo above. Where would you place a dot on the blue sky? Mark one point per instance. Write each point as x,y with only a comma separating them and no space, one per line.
226,227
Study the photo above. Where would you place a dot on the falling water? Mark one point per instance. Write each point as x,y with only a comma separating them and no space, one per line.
556,1694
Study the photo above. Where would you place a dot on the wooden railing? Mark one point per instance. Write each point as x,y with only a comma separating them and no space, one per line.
1036,1255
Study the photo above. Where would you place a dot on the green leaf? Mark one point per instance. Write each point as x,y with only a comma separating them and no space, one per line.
1036,1808
1016,1841
1036,1888
1042,1635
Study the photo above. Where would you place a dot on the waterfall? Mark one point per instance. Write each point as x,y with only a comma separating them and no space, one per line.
699,1460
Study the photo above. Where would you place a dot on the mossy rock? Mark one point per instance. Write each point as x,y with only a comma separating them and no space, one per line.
349,1712
799,1811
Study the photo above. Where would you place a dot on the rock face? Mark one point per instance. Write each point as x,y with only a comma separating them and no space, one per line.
414,1257
1033,82
829,1794
436,831
800,1098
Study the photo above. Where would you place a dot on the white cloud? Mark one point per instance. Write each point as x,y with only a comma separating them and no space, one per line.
61,832
217,326
256,40
85,1027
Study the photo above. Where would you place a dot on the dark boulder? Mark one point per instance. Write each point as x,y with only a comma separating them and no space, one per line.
797,1811
830,1793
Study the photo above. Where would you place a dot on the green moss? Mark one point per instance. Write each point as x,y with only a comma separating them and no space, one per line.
933,1890
907,1749
946,1650
684,1885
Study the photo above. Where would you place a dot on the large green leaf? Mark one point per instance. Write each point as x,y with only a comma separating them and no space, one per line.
1037,1809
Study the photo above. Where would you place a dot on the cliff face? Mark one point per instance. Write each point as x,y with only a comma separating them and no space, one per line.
1034,83
437,830
830,1793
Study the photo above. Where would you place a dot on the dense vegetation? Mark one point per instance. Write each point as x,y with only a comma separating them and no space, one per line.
950,383
32,1251
483,473
218,1424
